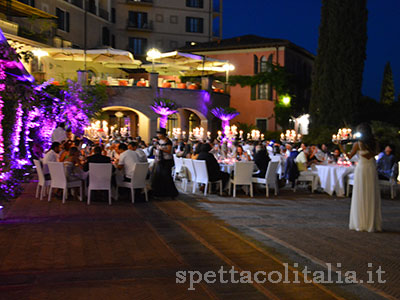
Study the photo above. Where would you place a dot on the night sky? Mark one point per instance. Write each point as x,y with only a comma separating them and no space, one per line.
298,21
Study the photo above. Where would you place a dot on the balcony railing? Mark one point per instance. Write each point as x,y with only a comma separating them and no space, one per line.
104,14
91,7
140,2
78,3
140,26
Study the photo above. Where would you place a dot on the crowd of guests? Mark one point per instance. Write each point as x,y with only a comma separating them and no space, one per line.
125,152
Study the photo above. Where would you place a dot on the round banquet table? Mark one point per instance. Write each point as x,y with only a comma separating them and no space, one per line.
332,178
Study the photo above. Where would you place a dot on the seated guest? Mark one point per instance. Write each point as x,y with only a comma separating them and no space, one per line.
261,159
140,153
302,159
73,168
241,155
196,149
336,155
65,150
127,161
316,156
213,168
97,157
385,165
51,156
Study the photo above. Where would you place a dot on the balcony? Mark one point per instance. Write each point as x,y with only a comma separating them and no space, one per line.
78,3
103,14
140,2
140,26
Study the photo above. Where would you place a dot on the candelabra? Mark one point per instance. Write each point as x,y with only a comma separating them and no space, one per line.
343,135
290,137
97,130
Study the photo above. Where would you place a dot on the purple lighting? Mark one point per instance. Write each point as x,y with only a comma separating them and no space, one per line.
224,114
164,107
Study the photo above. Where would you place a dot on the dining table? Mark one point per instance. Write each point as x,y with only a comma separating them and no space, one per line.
332,178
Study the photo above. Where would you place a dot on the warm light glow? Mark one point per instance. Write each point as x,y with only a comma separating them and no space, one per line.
228,67
286,100
153,53
39,53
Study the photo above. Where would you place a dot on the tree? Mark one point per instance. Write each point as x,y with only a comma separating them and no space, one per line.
387,89
339,65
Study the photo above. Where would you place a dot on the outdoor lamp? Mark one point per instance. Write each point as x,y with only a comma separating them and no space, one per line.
39,53
286,100
153,53
228,67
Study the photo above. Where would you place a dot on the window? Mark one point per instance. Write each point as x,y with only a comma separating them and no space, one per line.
255,64
113,16
137,19
92,6
106,36
262,124
216,28
263,64
28,2
137,45
194,3
63,19
263,91
173,19
194,24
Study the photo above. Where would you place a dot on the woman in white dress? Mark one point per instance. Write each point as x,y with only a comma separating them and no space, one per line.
365,211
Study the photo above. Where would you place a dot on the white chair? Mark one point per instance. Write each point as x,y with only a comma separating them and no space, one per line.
191,173
42,182
350,182
200,168
138,180
99,179
59,180
243,175
310,176
392,184
178,161
270,179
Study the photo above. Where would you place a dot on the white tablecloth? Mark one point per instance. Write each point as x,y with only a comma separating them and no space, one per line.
332,178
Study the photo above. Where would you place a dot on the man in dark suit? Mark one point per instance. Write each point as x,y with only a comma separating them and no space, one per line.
97,157
213,168
261,159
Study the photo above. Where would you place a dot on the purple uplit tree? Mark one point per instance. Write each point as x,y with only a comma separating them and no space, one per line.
164,107
225,114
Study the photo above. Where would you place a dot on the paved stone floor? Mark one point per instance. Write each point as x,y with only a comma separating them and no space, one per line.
74,251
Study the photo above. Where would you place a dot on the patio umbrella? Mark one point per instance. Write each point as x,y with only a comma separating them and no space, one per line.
186,63
110,55
66,54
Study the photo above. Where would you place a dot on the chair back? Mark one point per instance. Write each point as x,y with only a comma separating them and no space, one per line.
200,169
188,163
57,174
178,163
138,179
39,171
270,175
243,172
100,175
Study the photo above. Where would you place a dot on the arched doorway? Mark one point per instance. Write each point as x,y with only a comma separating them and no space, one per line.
191,118
127,119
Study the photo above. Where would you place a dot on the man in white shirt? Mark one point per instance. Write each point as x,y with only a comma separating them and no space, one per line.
127,161
50,156
59,134
302,160
141,155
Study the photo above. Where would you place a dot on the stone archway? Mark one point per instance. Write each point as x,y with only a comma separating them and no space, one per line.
139,122
190,115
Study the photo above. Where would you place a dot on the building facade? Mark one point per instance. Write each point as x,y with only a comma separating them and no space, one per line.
250,54
134,25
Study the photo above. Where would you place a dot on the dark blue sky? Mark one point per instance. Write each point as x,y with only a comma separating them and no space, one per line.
298,21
